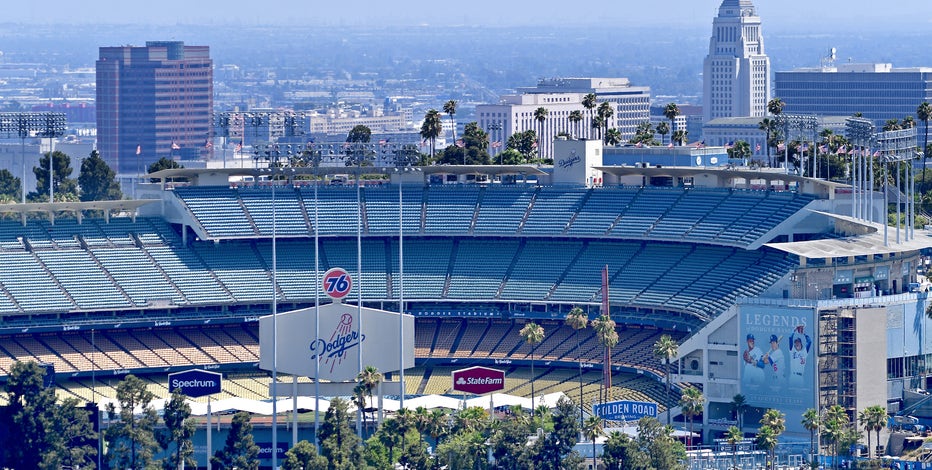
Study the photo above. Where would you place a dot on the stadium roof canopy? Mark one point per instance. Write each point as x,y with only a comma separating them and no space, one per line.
870,241
721,176
78,208
195,174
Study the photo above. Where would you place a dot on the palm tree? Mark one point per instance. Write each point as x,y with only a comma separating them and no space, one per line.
663,129
597,125
775,106
606,112
924,112
592,430
734,436
608,337
741,150
692,404
431,128
388,435
406,422
775,422
863,417
873,418
450,109
768,126
679,136
666,349
368,380
909,122
892,124
833,427
811,423
613,136
767,439
589,102
575,117
577,320
671,111
532,334
540,115
437,424
739,405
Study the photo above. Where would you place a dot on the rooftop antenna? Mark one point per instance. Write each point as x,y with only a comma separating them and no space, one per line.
829,60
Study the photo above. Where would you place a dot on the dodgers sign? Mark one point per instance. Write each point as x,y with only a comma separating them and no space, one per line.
330,344
625,410
195,383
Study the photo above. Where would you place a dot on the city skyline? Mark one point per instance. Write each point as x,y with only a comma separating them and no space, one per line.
828,15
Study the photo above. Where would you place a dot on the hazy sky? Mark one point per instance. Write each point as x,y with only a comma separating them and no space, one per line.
777,14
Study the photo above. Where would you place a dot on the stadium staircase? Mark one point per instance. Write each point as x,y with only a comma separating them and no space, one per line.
249,219
527,211
104,270
475,213
424,380
576,210
459,337
511,266
582,249
305,214
450,265
363,214
51,276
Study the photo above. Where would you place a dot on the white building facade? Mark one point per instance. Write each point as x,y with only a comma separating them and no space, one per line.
736,73
560,97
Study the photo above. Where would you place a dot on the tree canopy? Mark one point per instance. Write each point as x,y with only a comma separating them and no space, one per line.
43,433
97,180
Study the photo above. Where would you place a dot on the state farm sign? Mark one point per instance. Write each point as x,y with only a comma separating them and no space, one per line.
478,380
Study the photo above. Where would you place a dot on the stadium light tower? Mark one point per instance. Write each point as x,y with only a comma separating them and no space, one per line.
24,125
402,168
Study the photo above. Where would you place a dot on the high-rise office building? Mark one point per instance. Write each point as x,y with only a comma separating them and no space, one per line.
736,73
560,97
152,102
878,91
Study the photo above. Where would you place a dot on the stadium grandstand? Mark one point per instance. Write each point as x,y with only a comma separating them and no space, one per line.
180,279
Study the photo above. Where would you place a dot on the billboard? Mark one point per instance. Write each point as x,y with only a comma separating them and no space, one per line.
195,383
625,410
478,380
777,359
339,343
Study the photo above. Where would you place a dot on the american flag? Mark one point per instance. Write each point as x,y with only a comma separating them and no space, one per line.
208,145
781,147
239,147
460,143
670,145
730,144
639,144
175,146
496,144
139,150
842,150
757,148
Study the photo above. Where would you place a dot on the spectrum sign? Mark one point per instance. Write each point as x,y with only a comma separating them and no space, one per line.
195,383
478,380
